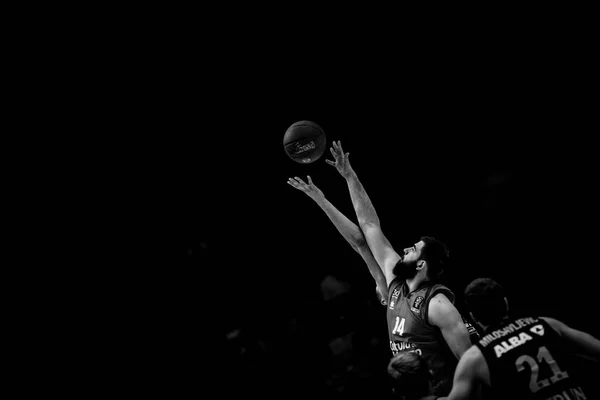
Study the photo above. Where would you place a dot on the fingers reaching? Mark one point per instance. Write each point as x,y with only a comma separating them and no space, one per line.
334,153
296,183
300,181
337,150
338,154
299,184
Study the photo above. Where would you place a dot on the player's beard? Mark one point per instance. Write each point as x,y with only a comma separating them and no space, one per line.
405,269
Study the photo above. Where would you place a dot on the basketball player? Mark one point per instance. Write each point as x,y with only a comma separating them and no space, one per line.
523,358
410,377
421,315
349,230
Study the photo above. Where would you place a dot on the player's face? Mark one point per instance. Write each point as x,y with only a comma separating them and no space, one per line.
413,252
406,268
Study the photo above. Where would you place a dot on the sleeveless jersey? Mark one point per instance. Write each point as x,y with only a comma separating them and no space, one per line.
526,361
409,330
473,333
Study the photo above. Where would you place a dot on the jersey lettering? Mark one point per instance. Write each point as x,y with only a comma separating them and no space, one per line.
397,347
507,330
514,341
538,330
576,393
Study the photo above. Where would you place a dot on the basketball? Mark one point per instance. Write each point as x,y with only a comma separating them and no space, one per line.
304,142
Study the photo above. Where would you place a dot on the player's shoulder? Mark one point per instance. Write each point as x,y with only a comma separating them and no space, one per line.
441,311
437,295
555,324
441,299
550,320
441,289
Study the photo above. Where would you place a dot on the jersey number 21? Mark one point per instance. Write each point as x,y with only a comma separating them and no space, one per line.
542,355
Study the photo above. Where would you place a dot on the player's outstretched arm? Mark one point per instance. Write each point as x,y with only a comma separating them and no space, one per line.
348,229
586,345
367,217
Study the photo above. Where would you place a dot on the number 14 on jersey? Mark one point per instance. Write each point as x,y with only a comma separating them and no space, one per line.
399,327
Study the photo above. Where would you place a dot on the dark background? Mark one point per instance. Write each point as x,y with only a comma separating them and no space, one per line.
483,141
499,163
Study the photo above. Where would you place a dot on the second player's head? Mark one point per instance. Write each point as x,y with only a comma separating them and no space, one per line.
428,256
409,374
486,301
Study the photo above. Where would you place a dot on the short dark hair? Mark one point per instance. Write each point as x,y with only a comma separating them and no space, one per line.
409,374
484,298
436,254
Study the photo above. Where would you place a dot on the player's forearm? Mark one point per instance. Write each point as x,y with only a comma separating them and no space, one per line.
365,212
348,229
588,345
375,270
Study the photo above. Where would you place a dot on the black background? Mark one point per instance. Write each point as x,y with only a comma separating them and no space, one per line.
496,158
484,141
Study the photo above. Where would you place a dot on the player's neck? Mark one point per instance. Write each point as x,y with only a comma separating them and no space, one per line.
416,282
502,321
482,327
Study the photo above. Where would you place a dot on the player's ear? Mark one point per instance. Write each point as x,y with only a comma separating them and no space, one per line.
506,302
421,264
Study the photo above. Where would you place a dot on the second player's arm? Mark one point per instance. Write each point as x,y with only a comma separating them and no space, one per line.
354,236
348,229
469,376
585,344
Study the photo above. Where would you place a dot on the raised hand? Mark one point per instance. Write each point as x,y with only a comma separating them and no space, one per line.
310,189
341,163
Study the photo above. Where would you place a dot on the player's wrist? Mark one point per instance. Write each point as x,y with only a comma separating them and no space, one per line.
321,201
350,175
